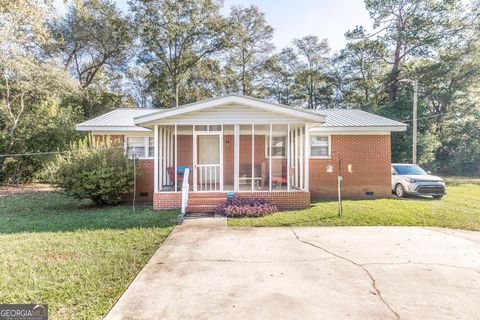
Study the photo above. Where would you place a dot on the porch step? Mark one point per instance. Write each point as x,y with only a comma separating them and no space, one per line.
205,201
201,208
192,195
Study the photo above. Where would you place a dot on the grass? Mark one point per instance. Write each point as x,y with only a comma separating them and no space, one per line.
459,209
77,258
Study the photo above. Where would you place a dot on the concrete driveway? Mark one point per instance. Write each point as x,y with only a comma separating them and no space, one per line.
206,271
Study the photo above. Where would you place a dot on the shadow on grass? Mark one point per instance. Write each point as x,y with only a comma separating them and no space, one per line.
393,198
55,212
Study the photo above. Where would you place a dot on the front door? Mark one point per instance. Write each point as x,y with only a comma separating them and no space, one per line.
208,164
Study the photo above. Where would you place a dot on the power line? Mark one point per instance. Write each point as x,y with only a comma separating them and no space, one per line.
427,117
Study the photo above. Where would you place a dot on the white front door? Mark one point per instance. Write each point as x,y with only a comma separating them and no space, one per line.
208,165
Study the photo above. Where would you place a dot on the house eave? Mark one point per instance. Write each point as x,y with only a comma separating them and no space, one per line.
112,128
359,129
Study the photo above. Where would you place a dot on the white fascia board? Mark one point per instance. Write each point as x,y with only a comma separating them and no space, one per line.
111,128
359,129
230,100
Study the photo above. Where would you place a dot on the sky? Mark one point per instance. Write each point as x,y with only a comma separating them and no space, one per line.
328,19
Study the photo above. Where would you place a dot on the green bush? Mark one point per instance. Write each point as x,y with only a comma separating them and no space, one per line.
96,170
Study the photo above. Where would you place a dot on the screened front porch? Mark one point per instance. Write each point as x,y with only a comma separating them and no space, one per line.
231,157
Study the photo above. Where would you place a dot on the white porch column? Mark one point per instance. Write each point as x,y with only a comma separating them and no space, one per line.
307,157
301,154
289,160
236,159
176,156
270,159
194,158
297,169
155,161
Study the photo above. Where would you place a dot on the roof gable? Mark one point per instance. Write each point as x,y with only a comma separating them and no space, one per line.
233,101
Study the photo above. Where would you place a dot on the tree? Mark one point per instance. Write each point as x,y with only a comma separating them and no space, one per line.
46,127
251,47
359,71
26,77
413,28
280,81
93,35
175,35
450,94
307,62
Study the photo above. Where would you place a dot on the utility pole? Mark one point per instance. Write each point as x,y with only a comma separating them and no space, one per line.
414,138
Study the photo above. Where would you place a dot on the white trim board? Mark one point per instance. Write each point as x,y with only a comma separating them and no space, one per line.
111,129
231,100
357,130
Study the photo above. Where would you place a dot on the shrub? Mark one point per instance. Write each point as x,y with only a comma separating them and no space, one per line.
237,207
94,169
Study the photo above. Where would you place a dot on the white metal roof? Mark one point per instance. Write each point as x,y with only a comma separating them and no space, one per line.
116,120
334,120
338,119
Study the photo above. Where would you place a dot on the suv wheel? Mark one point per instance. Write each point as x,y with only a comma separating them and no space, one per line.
400,191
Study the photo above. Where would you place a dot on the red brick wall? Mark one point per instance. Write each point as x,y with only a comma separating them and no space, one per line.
167,200
283,200
370,157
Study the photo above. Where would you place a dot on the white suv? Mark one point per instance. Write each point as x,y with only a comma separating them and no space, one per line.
410,179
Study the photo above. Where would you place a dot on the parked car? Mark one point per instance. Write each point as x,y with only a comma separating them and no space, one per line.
410,179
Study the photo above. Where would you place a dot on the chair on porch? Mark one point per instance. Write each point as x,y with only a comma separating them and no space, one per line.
279,178
178,176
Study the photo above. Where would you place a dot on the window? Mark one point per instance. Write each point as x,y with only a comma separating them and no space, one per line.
151,149
208,128
279,144
140,147
320,146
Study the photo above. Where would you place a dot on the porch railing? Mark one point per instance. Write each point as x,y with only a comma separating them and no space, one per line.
208,177
185,189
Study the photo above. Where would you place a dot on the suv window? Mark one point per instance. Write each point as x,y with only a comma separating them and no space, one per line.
409,169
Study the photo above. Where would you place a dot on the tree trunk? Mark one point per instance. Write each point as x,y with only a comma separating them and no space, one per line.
394,73
244,89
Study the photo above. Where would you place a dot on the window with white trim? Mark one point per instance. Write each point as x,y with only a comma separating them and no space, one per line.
151,147
139,147
279,144
319,146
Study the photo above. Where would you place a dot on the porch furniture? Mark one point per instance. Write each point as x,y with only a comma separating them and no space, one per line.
247,180
179,176
280,178
245,174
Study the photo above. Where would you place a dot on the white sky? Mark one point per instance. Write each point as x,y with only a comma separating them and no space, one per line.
291,19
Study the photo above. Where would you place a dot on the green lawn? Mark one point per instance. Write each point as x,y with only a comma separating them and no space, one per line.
460,209
76,258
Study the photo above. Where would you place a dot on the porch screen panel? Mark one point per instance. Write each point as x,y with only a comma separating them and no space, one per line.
228,157
280,170
261,160
183,155
249,173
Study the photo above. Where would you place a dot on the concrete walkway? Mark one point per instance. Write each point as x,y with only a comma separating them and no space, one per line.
208,271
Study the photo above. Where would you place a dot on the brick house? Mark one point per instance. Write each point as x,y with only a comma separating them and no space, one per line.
251,147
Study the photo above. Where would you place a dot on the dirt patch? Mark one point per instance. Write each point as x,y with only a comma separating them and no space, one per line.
10,189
